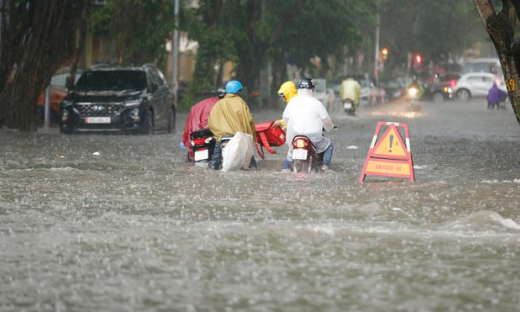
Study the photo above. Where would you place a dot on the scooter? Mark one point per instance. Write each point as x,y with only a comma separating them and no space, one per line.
304,155
413,97
413,94
224,140
348,107
202,143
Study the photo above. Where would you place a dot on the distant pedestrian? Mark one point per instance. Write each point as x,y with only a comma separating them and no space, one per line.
495,96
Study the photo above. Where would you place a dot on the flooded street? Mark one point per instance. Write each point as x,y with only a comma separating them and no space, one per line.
122,223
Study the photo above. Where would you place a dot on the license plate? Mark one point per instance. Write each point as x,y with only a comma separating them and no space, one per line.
201,155
97,120
299,154
347,105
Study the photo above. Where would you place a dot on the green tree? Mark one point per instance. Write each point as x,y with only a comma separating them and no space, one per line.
37,37
436,29
139,27
499,19
255,32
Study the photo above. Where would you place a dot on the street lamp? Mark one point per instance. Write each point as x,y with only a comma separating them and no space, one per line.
175,49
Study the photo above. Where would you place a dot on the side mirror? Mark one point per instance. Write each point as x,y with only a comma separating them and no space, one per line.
154,87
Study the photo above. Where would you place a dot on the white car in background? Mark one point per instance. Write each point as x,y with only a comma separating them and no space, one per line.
475,85
483,65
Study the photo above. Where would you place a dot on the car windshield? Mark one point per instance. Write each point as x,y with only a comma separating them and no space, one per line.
320,86
445,78
390,84
60,80
111,80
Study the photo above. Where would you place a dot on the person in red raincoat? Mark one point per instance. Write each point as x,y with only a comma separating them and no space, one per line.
198,119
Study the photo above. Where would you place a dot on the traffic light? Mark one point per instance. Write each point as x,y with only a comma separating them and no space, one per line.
418,59
384,54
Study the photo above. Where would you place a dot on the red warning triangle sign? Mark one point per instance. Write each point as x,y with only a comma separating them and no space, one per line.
390,145
390,156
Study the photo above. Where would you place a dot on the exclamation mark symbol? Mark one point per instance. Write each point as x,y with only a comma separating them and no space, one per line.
391,142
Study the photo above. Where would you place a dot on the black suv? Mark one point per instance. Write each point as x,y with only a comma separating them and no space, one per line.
127,99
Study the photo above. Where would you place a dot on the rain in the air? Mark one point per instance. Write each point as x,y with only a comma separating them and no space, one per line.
259,155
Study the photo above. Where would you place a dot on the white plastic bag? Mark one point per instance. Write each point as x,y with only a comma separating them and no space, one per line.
238,152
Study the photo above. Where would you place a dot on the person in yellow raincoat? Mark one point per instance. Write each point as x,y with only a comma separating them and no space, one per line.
229,116
350,90
287,92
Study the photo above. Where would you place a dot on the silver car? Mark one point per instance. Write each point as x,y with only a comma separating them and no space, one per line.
475,85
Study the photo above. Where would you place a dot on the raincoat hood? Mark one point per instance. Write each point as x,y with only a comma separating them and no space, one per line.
289,90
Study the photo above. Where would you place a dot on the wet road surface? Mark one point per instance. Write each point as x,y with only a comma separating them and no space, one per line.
122,223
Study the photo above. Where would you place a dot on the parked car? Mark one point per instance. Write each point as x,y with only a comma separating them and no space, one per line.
474,85
129,99
440,87
393,89
57,92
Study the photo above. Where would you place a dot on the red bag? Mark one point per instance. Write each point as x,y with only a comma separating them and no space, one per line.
267,136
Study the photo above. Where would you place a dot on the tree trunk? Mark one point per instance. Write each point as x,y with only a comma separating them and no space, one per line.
38,37
500,27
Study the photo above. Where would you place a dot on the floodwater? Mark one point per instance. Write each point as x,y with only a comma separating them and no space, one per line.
122,223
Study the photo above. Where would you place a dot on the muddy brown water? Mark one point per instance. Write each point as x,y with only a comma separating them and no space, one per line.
122,223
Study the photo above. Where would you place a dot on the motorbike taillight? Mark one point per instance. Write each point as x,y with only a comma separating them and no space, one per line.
300,143
198,141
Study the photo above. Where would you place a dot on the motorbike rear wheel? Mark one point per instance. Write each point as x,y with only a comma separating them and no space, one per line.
303,166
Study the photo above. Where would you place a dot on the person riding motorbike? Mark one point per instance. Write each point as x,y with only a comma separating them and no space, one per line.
306,115
287,92
350,90
230,115
419,90
198,119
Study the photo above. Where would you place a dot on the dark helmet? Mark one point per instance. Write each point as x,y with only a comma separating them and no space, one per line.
221,92
306,83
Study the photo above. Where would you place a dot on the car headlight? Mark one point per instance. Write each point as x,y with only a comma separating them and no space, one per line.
134,114
64,114
66,103
133,103
65,109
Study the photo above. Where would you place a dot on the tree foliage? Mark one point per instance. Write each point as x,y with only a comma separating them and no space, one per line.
37,38
139,28
255,32
436,29
500,19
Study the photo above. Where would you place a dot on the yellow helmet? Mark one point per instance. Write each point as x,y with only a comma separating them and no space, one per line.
287,91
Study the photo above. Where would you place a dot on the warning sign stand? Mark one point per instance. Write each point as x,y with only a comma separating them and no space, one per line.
389,156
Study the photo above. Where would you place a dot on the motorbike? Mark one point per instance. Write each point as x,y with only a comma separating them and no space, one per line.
304,155
202,143
413,94
348,107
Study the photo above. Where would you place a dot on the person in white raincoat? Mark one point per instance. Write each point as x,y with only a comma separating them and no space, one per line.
306,115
